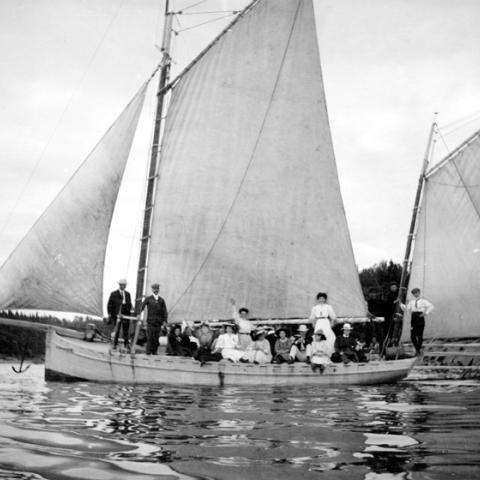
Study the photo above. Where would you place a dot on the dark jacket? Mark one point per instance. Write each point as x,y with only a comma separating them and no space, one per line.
115,306
345,344
179,346
156,310
301,343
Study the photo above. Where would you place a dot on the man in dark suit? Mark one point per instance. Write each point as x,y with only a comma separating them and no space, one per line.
157,315
120,303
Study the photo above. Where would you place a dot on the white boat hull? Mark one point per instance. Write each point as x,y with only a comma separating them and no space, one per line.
71,358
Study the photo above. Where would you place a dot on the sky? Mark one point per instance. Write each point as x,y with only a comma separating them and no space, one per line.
70,66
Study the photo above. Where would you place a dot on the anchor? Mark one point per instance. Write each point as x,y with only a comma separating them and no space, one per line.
20,368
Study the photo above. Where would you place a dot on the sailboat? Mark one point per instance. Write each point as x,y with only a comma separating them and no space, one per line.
445,235
242,200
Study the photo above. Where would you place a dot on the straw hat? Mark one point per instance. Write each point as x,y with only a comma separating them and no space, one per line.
122,281
303,328
346,326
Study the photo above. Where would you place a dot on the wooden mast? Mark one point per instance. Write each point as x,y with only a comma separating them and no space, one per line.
154,158
402,293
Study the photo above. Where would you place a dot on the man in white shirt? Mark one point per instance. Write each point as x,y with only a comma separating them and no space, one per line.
419,308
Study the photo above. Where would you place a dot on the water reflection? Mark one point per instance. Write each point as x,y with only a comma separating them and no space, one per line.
86,430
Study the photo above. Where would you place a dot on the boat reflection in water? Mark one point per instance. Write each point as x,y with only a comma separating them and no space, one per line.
102,431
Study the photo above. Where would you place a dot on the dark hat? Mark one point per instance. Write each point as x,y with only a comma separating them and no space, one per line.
155,285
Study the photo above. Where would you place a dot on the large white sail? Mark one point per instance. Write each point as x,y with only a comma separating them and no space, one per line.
59,263
248,203
446,258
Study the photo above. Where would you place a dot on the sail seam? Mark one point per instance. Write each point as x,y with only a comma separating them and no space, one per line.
466,188
252,157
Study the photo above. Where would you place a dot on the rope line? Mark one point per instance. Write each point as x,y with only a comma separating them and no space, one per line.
193,5
59,121
205,23
207,13
461,120
443,140
250,161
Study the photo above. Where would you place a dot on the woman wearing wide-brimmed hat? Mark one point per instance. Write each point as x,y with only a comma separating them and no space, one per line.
319,351
259,351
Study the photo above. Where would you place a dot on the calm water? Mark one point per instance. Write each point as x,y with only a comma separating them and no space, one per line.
92,431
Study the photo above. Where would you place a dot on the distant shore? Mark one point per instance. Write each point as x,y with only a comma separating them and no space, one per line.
12,358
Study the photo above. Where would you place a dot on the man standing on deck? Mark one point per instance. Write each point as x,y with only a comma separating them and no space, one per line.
390,304
120,303
157,316
419,308
243,324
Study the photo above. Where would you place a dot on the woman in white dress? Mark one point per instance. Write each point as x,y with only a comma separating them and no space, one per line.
323,318
319,351
259,351
228,345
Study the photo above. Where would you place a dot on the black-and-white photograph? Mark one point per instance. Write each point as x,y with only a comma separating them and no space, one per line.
239,239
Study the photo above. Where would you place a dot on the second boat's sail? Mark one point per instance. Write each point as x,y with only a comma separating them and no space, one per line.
446,258
248,202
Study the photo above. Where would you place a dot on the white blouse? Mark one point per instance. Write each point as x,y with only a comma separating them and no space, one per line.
323,310
227,340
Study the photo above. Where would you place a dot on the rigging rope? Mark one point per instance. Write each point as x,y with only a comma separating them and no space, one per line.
467,118
208,21
60,119
249,164
194,5
207,13
475,207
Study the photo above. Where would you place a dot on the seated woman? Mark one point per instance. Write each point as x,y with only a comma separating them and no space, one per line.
319,351
298,352
283,346
205,338
178,344
190,340
228,346
323,318
259,350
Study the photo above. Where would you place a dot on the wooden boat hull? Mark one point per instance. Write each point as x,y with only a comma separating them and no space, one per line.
70,358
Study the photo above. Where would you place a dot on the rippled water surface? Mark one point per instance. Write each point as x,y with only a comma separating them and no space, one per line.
101,431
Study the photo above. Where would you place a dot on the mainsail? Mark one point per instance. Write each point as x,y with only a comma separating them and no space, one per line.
248,203
59,263
446,258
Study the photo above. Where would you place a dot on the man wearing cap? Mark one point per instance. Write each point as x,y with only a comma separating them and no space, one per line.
120,303
157,316
299,348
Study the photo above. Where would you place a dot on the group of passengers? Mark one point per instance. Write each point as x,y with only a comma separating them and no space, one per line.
242,342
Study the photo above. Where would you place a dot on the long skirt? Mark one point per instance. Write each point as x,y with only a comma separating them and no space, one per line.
324,324
257,356
232,354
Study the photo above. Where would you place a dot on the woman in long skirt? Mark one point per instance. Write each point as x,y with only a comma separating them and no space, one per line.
323,318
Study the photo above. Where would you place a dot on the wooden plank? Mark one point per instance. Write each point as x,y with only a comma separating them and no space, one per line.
452,345
450,353
445,367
